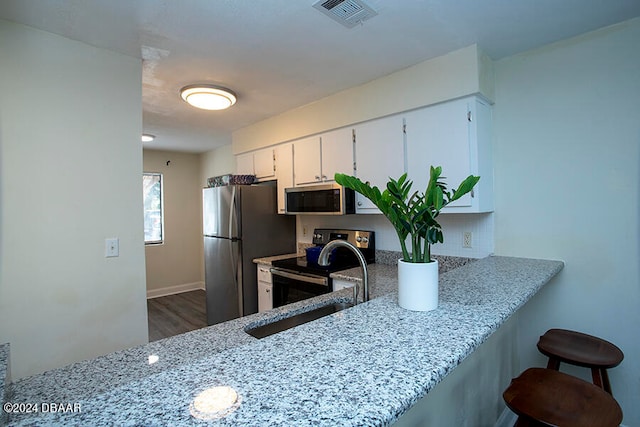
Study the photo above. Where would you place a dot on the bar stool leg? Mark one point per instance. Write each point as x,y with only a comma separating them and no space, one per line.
553,363
597,379
606,385
527,422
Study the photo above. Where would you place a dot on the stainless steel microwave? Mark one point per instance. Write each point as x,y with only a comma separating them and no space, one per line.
323,199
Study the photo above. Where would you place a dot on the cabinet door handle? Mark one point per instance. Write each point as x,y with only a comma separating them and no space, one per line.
324,177
268,290
359,203
317,178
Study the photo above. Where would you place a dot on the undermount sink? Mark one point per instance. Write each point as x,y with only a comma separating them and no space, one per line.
296,320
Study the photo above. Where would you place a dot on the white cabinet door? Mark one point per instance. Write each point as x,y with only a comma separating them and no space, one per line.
337,153
244,164
379,154
264,163
439,136
265,287
342,284
265,299
454,135
260,163
284,172
307,161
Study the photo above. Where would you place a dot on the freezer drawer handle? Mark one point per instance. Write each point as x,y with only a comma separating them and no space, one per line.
318,280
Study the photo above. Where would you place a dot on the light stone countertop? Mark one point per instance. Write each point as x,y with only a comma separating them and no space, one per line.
309,375
269,259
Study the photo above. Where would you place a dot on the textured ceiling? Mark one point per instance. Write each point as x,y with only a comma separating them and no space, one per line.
281,54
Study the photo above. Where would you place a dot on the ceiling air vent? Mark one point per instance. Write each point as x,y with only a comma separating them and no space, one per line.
347,12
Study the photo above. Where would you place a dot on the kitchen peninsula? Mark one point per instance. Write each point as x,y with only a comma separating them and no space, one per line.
366,365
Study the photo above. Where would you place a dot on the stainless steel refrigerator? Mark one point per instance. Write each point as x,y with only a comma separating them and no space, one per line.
240,223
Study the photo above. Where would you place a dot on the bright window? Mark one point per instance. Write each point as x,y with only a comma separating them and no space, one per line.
153,208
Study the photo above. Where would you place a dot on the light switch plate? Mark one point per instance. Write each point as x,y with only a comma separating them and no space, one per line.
111,247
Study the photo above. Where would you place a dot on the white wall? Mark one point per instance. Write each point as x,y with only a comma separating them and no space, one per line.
176,265
462,72
453,225
220,161
567,174
71,162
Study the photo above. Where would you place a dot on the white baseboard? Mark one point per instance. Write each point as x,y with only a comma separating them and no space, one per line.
177,289
507,419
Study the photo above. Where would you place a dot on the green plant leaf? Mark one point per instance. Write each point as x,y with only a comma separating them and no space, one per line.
465,187
412,214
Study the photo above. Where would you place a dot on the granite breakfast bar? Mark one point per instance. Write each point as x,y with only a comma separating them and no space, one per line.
366,365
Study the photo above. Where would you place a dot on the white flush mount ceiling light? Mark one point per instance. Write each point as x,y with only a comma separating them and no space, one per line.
147,137
208,97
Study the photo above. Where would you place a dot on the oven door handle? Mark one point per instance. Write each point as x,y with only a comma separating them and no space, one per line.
317,280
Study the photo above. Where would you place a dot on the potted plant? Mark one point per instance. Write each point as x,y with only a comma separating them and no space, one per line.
414,215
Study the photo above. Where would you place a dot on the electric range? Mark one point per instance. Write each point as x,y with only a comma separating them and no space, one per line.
299,278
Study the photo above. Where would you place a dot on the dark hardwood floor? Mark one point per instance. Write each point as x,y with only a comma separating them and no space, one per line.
176,314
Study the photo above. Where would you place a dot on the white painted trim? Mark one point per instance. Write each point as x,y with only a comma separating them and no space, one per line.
507,419
177,289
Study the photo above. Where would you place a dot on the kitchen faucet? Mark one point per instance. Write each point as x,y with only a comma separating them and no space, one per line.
323,259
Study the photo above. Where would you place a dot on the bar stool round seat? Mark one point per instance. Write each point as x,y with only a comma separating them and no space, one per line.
575,348
544,397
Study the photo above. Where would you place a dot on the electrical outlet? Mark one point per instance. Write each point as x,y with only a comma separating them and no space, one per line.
111,247
304,231
466,239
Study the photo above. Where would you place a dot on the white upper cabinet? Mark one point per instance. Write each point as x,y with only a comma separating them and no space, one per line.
307,164
284,172
318,158
337,153
264,163
260,163
457,136
244,164
454,134
379,154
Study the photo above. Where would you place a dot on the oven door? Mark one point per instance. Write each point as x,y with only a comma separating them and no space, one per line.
290,287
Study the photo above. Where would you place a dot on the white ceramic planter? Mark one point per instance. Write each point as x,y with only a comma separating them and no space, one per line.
418,285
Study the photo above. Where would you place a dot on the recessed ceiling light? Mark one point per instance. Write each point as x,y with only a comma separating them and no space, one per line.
147,137
208,97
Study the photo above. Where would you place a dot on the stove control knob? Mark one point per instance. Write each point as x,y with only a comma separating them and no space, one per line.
358,239
365,240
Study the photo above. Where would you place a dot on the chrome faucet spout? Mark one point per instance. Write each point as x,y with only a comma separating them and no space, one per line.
323,259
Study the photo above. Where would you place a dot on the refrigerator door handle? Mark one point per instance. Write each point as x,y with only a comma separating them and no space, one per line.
234,249
232,212
234,253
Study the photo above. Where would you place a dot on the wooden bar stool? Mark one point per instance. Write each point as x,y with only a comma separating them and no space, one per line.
576,348
544,397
